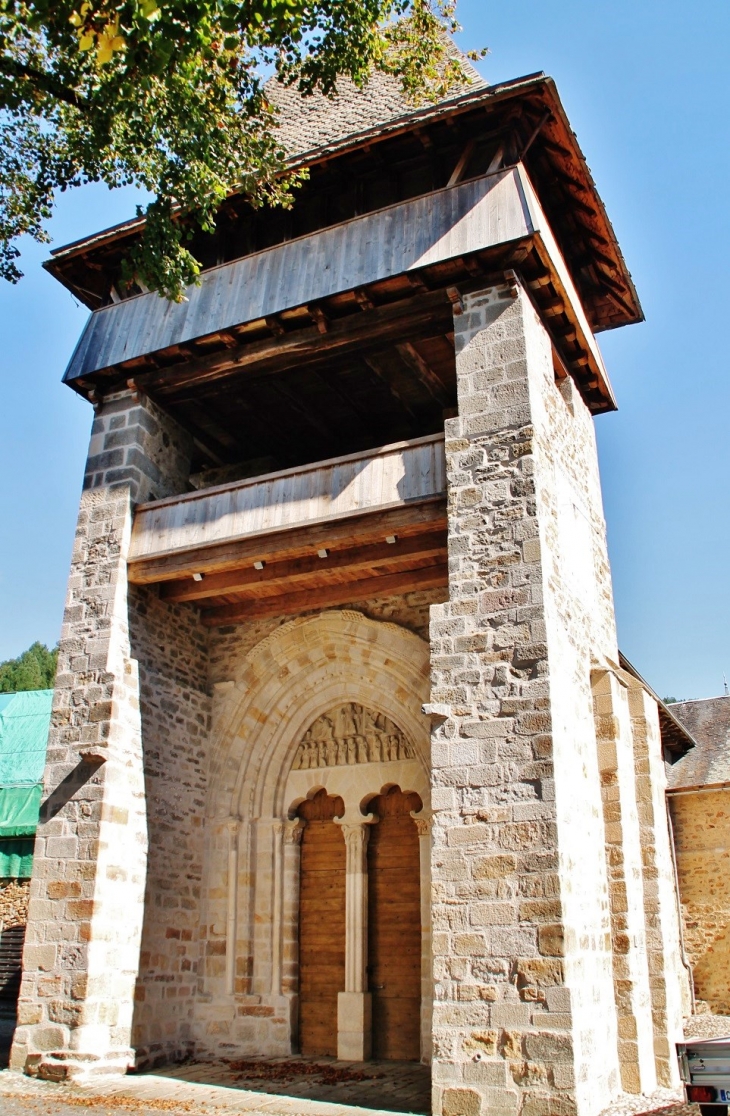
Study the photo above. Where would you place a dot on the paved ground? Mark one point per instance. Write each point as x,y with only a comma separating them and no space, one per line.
282,1087
148,1094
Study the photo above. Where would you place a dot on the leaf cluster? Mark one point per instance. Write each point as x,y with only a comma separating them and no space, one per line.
169,95
35,669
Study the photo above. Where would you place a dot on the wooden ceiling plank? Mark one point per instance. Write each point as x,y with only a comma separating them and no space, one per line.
428,577
410,519
350,561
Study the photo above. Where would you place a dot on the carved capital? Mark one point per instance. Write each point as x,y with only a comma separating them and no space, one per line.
356,836
233,825
423,825
293,831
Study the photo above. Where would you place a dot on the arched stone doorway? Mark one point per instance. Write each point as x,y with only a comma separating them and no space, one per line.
273,753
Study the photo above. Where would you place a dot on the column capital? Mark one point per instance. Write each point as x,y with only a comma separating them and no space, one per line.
423,824
356,836
293,831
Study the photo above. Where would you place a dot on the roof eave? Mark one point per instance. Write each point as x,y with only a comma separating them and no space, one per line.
664,710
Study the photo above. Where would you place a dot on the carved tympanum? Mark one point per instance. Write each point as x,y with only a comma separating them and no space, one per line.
351,734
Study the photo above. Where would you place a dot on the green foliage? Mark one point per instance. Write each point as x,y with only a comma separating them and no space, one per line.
169,95
35,669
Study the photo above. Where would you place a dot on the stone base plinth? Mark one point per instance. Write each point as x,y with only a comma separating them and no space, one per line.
64,1065
354,1026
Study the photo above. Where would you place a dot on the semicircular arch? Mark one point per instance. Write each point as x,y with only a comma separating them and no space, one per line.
296,674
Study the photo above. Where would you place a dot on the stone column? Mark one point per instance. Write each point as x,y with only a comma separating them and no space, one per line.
625,883
524,1014
276,929
354,1005
423,825
82,945
293,831
234,829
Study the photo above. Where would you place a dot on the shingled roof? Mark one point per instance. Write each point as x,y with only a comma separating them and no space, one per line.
708,763
307,123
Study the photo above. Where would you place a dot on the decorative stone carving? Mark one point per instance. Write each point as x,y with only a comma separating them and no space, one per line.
351,734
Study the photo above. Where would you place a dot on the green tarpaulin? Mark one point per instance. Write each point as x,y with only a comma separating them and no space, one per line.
24,723
19,810
16,857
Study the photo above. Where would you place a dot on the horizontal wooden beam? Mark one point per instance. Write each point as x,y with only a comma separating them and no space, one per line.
341,565
429,577
404,521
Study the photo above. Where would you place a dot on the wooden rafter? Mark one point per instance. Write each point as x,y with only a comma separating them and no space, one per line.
381,325
347,564
429,577
424,372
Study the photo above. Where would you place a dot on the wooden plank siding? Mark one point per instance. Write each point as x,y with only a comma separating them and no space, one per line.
372,482
445,224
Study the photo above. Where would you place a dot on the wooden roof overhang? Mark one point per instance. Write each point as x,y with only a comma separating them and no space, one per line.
344,287
525,117
325,534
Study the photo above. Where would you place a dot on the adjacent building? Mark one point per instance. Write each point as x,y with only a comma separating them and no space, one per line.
699,797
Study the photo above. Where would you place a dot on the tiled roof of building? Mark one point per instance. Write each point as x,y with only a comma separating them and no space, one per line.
708,762
307,123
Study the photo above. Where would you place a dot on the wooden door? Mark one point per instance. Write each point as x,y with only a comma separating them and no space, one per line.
321,924
394,927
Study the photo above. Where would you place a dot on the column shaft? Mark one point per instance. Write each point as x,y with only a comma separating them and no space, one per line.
354,1006
234,827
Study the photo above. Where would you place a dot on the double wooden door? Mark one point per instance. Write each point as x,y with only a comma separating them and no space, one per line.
394,926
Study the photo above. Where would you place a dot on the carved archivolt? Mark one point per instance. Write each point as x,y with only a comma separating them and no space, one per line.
351,734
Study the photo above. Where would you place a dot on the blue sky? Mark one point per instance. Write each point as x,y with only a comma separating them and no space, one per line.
645,86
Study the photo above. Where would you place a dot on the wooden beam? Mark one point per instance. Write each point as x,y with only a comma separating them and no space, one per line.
404,521
425,373
365,329
375,363
429,577
296,573
308,414
458,171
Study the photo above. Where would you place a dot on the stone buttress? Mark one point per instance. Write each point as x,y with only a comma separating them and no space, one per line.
82,952
543,997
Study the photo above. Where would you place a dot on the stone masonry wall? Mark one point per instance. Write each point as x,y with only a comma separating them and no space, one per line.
701,823
85,918
524,1014
229,645
170,645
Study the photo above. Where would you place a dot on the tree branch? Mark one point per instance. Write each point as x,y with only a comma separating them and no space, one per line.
42,81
